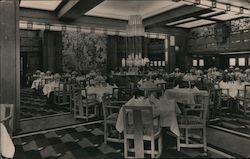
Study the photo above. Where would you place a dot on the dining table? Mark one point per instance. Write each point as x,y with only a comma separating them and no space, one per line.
7,148
166,108
50,87
233,87
184,95
149,88
100,90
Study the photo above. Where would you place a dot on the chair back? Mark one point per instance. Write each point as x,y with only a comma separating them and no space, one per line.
162,86
247,92
202,102
105,103
110,107
77,96
134,124
123,93
6,116
215,96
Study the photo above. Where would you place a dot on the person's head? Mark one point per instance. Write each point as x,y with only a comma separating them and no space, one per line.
38,72
42,74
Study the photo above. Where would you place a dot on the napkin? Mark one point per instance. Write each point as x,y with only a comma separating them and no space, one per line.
196,89
141,101
177,87
7,146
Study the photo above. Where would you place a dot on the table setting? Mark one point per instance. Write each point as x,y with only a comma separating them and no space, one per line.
166,108
100,90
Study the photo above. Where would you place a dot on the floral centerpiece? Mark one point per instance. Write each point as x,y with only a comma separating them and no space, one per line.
190,78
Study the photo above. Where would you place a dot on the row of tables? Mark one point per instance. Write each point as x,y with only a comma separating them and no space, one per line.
166,106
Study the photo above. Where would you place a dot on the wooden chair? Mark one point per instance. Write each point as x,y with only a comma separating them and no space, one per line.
72,96
157,92
110,114
225,98
243,100
214,103
62,94
194,118
170,84
162,86
85,105
6,112
138,131
122,93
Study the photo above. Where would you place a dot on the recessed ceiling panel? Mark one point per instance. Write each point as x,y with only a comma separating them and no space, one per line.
227,16
181,21
212,13
122,9
49,5
239,3
196,23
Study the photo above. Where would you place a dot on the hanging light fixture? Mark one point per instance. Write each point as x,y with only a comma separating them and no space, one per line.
134,43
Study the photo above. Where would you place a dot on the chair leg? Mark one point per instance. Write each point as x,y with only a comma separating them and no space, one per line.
205,140
178,143
153,148
125,148
186,136
160,145
87,113
74,110
105,133
245,109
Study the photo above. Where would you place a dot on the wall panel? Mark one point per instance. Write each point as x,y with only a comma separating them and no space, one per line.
10,55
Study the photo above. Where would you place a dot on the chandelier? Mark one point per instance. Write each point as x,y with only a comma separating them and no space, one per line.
135,33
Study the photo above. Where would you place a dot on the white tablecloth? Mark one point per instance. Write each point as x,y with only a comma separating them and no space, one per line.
36,83
99,91
166,108
233,87
50,87
183,95
159,81
7,148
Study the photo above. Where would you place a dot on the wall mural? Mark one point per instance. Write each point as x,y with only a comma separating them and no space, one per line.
84,51
204,31
240,24
209,30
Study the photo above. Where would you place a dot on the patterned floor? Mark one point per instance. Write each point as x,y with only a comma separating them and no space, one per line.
34,104
235,122
85,142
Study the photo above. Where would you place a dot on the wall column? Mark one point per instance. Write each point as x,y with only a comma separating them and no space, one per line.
10,56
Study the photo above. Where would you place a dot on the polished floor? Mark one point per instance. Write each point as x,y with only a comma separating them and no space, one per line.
234,122
35,104
86,141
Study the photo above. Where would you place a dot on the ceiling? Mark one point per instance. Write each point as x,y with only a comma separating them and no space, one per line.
119,9
44,4
171,13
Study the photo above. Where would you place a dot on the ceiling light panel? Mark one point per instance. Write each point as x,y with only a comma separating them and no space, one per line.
43,5
228,16
196,23
181,21
211,14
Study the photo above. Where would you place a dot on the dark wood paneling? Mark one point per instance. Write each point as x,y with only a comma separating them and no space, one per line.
52,51
10,55
236,41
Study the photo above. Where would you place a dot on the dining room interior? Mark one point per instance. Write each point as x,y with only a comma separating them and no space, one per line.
124,79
